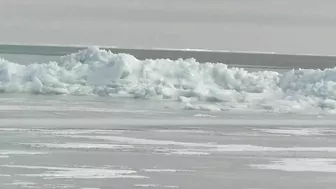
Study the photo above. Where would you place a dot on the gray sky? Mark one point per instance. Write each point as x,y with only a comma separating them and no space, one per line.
284,26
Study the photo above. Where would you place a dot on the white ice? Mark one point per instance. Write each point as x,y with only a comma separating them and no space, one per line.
209,86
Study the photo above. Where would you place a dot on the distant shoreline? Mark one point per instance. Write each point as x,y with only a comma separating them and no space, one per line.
255,59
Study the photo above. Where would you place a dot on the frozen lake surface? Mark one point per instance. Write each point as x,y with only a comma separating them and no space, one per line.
147,119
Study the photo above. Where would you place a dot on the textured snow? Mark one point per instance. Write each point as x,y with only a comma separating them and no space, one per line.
209,86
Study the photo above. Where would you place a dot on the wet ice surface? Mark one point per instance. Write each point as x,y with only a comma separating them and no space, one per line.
88,142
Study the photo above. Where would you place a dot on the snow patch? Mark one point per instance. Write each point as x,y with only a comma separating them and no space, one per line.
5,153
146,185
65,109
183,152
293,131
154,186
253,148
77,131
54,186
300,165
79,173
207,147
22,184
194,131
170,186
166,170
79,146
188,153
141,141
205,115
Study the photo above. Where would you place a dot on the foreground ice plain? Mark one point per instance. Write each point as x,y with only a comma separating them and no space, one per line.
90,142
118,141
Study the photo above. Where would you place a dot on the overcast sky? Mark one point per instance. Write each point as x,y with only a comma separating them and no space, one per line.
284,26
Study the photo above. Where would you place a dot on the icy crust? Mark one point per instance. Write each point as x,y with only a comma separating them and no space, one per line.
209,86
